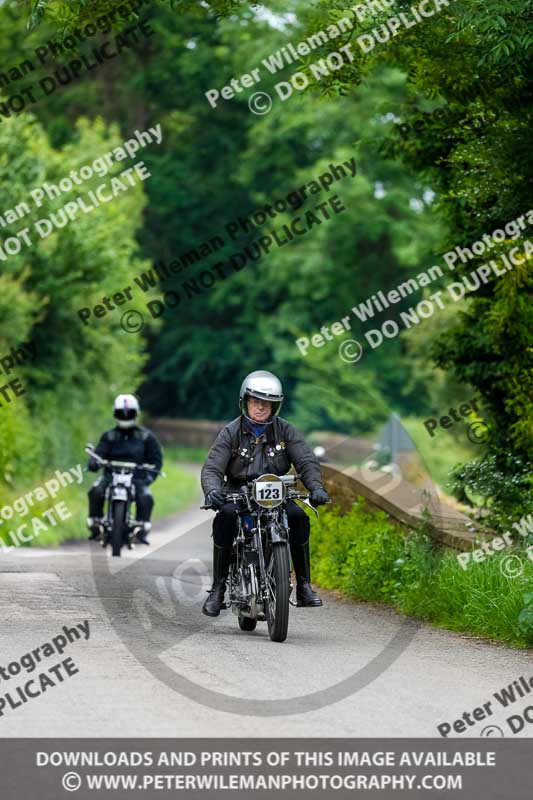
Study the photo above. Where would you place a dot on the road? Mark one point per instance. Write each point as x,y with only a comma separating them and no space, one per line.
155,666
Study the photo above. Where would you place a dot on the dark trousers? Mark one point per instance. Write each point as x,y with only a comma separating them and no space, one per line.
143,498
225,524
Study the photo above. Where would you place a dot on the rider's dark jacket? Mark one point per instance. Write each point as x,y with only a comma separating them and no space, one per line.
131,444
238,456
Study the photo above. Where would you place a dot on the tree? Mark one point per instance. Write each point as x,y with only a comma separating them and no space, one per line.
70,383
473,61
253,161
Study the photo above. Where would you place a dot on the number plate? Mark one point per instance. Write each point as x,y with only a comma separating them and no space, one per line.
269,491
121,479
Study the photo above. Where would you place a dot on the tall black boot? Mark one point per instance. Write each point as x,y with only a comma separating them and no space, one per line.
305,596
215,598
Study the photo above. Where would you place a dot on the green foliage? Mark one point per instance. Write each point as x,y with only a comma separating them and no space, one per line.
186,455
366,557
70,385
296,288
357,553
503,482
20,448
473,61
69,14
171,494
333,395
525,618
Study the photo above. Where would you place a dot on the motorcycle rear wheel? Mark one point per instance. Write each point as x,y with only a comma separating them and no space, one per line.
278,582
119,525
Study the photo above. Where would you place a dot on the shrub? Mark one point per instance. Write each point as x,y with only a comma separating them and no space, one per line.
366,556
503,482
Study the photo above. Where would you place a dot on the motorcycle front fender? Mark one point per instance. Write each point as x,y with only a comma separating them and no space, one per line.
279,535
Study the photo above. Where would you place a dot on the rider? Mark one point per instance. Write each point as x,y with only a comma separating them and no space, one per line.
127,441
256,443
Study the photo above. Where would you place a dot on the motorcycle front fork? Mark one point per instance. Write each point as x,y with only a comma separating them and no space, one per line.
264,584
134,527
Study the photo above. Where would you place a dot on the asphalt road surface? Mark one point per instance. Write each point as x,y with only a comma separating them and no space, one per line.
153,665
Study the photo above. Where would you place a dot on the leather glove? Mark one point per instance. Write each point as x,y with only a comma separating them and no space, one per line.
319,497
215,499
93,465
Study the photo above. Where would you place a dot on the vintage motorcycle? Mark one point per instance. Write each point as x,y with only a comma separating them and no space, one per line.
259,574
118,528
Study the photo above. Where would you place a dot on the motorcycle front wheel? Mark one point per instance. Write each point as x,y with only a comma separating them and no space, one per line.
119,524
278,584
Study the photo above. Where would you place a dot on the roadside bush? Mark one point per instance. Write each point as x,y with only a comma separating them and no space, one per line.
503,481
355,553
366,556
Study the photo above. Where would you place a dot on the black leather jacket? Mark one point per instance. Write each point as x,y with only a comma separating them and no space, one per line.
131,444
237,456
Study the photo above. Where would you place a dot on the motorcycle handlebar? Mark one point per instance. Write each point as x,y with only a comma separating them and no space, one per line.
244,493
125,464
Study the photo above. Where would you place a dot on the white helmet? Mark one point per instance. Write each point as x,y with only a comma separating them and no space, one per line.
263,385
125,410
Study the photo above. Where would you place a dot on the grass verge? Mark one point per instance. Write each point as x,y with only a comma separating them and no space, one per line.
364,555
172,494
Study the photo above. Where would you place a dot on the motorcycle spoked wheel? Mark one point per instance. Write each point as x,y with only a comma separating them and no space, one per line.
278,586
119,525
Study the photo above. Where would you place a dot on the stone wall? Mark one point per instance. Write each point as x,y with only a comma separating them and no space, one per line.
403,502
185,432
